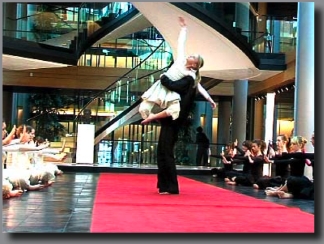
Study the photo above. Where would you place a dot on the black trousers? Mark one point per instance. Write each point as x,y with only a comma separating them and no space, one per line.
167,172
202,154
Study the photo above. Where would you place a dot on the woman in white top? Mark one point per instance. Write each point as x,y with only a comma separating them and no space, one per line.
170,100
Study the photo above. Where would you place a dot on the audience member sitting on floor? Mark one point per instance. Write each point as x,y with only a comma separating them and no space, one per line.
226,156
281,166
295,187
9,139
240,157
302,155
256,160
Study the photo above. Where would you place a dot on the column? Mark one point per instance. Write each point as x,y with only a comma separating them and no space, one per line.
269,121
276,36
258,119
203,116
239,110
224,116
304,81
7,107
9,19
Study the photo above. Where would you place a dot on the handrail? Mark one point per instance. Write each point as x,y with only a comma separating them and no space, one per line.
121,77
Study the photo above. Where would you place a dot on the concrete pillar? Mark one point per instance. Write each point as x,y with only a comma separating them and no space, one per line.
6,106
304,82
258,131
239,110
276,36
269,128
203,116
9,19
224,116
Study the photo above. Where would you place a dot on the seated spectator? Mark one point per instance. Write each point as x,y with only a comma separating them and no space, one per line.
281,166
8,139
295,187
227,157
240,157
256,160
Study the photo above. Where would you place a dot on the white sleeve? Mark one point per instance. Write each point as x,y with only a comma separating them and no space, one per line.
181,45
50,151
202,91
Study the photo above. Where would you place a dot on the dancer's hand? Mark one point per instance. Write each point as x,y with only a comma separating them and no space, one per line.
182,22
212,104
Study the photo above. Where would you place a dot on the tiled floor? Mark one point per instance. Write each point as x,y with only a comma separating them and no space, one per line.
66,206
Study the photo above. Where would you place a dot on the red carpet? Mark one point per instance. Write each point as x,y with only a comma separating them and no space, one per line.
129,203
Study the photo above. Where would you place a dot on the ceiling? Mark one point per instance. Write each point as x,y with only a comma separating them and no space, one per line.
222,62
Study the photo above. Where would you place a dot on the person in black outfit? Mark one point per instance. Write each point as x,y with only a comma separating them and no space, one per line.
229,158
202,142
167,181
256,160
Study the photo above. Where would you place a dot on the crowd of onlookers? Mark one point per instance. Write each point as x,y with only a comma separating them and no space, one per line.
287,159
28,164
27,161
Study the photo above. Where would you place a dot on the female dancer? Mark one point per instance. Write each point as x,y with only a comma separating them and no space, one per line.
170,100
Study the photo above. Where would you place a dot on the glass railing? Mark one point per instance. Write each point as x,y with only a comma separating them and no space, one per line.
244,19
42,23
136,152
60,26
144,69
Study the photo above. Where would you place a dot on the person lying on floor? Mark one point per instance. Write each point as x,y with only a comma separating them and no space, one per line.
42,177
8,191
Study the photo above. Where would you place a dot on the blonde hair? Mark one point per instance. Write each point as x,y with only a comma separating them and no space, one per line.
200,64
299,140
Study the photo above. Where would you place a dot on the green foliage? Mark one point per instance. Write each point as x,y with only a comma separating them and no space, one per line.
184,140
46,109
181,147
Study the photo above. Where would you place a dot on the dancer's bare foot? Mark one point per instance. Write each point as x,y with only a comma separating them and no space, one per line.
59,172
49,183
148,119
271,193
233,183
255,186
282,194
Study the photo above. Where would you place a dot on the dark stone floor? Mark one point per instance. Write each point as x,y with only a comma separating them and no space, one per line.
66,206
